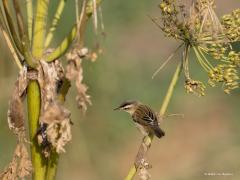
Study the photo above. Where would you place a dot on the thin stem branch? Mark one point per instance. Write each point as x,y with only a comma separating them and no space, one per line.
11,48
9,41
55,22
64,45
81,23
11,27
168,59
23,36
147,140
78,31
170,90
185,61
205,58
200,60
40,28
29,6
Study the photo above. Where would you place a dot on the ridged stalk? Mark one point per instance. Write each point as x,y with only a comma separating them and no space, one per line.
34,105
34,94
146,142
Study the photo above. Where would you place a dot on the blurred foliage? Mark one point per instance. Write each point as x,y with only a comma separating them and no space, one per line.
105,142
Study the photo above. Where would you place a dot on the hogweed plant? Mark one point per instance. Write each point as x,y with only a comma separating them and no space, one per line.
44,81
198,29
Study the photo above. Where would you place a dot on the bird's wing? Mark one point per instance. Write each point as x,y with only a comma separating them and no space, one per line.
145,116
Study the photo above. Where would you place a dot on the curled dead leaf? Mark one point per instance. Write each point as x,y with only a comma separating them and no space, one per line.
74,72
15,110
16,114
20,166
143,173
55,130
47,78
58,131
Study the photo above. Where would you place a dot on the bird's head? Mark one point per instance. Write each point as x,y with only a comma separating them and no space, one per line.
128,106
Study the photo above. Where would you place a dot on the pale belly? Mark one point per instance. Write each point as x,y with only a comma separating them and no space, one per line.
142,129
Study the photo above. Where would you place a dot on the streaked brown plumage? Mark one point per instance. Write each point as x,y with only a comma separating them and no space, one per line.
144,117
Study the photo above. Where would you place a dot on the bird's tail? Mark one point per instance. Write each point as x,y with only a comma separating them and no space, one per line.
158,132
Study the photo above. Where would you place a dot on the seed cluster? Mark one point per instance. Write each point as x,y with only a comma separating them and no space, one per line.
201,31
231,22
226,74
195,87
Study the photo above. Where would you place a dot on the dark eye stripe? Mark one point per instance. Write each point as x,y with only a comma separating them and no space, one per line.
127,103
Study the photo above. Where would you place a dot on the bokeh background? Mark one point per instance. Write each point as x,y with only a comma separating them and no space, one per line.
105,142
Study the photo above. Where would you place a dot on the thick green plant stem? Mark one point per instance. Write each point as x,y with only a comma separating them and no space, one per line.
34,94
34,106
146,143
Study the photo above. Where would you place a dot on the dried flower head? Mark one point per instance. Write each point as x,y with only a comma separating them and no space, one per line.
234,58
200,30
20,167
195,87
231,23
226,74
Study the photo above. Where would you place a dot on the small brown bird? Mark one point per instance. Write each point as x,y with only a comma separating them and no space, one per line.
143,116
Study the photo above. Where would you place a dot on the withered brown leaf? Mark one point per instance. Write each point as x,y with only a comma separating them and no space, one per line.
53,114
15,111
74,71
20,166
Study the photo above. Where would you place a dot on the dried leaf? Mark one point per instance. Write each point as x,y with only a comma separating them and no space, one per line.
143,173
20,167
58,123
55,130
74,71
15,111
22,81
25,165
55,113
48,78
11,171
59,134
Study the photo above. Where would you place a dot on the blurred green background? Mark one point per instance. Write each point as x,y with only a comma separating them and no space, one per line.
105,142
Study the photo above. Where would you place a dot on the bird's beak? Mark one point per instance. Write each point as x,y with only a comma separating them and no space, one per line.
118,108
